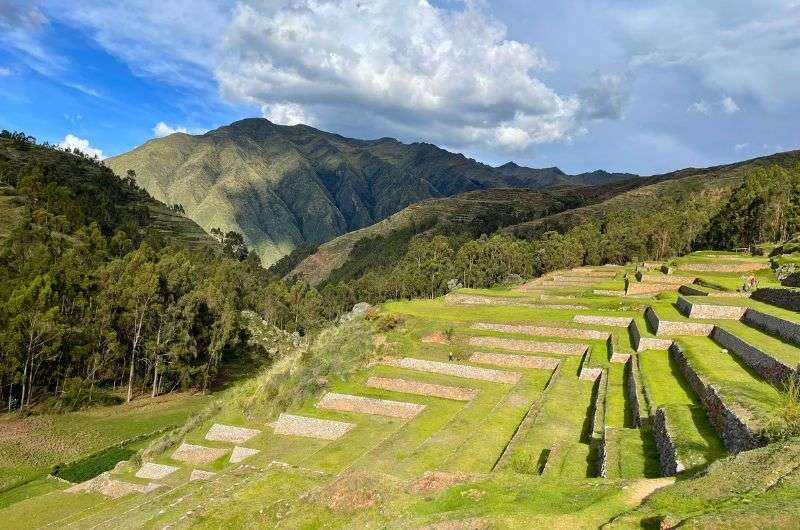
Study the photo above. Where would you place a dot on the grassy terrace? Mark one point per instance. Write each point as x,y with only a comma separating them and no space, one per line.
773,346
697,444
779,312
736,383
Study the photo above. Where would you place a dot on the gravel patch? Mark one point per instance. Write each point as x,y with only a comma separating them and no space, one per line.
199,474
198,454
292,425
153,471
242,453
514,361
422,389
456,370
231,434
529,345
622,322
544,331
110,487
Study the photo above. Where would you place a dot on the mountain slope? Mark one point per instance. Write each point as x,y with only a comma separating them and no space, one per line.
282,187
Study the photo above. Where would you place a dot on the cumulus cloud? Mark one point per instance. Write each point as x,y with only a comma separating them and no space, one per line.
607,97
161,129
729,106
287,113
71,142
451,73
739,147
700,107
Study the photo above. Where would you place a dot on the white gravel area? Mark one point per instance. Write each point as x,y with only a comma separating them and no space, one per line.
220,432
457,370
422,389
153,471
293,425
366,405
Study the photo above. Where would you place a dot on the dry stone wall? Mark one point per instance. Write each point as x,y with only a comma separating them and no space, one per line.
544,331
668,327
422,389
723,267
761,362
710,311
785,298
636,288
668,455
631,369
666,279
691,291
736,431
456,370
620,322
365,405
778,326
529,345
514,361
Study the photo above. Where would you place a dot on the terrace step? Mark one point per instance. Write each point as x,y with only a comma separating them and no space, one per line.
760,360
668,327
562,348
544,331
710,311
307,427
515,361
457,370
366,405
422,389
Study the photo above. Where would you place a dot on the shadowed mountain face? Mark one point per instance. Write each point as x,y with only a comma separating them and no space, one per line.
284,186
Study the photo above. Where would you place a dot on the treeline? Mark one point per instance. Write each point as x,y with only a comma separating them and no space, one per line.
93,298
765,208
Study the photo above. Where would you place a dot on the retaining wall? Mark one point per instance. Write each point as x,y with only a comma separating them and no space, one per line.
668,327
665,278
646,343
647,288
778,326
691,291
631,368
761,362
710,311
731,425
670,465
785,298
723,267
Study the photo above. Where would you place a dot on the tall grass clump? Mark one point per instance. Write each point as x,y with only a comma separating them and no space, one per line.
788,412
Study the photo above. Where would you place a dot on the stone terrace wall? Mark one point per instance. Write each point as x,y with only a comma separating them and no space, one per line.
668,327
785,298
632,288
723,267
731,427
710,311
631,367
691,291
646,343
665,278
670,465
783,328
761,362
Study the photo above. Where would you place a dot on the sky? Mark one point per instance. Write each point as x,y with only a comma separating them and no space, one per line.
622,85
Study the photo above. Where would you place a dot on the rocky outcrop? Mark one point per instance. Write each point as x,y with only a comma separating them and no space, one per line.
667,453
785,329
734,426
760,362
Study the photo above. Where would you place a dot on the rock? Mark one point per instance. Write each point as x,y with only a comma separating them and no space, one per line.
454,284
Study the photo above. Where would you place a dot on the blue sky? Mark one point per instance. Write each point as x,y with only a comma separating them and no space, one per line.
620,85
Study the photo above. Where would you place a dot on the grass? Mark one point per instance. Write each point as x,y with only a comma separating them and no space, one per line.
772,346
31,446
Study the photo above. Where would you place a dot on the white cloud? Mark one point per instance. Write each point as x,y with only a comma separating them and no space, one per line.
161,129
739,147
287,114
742,47
5,71
71,142
450,74
701,107
729,105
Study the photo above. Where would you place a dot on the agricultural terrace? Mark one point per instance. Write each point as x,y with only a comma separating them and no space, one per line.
564,402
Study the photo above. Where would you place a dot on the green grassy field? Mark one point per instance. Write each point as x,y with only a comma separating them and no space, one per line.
518,454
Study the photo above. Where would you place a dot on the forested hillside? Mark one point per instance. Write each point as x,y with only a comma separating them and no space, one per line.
722,208
283,187
104,288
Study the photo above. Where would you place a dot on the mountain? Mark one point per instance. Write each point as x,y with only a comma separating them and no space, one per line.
637,205
286,186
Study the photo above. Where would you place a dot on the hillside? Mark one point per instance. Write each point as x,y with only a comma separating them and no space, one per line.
472,213
282,187
565,402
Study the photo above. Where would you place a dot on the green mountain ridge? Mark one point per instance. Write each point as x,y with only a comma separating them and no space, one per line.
285,186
